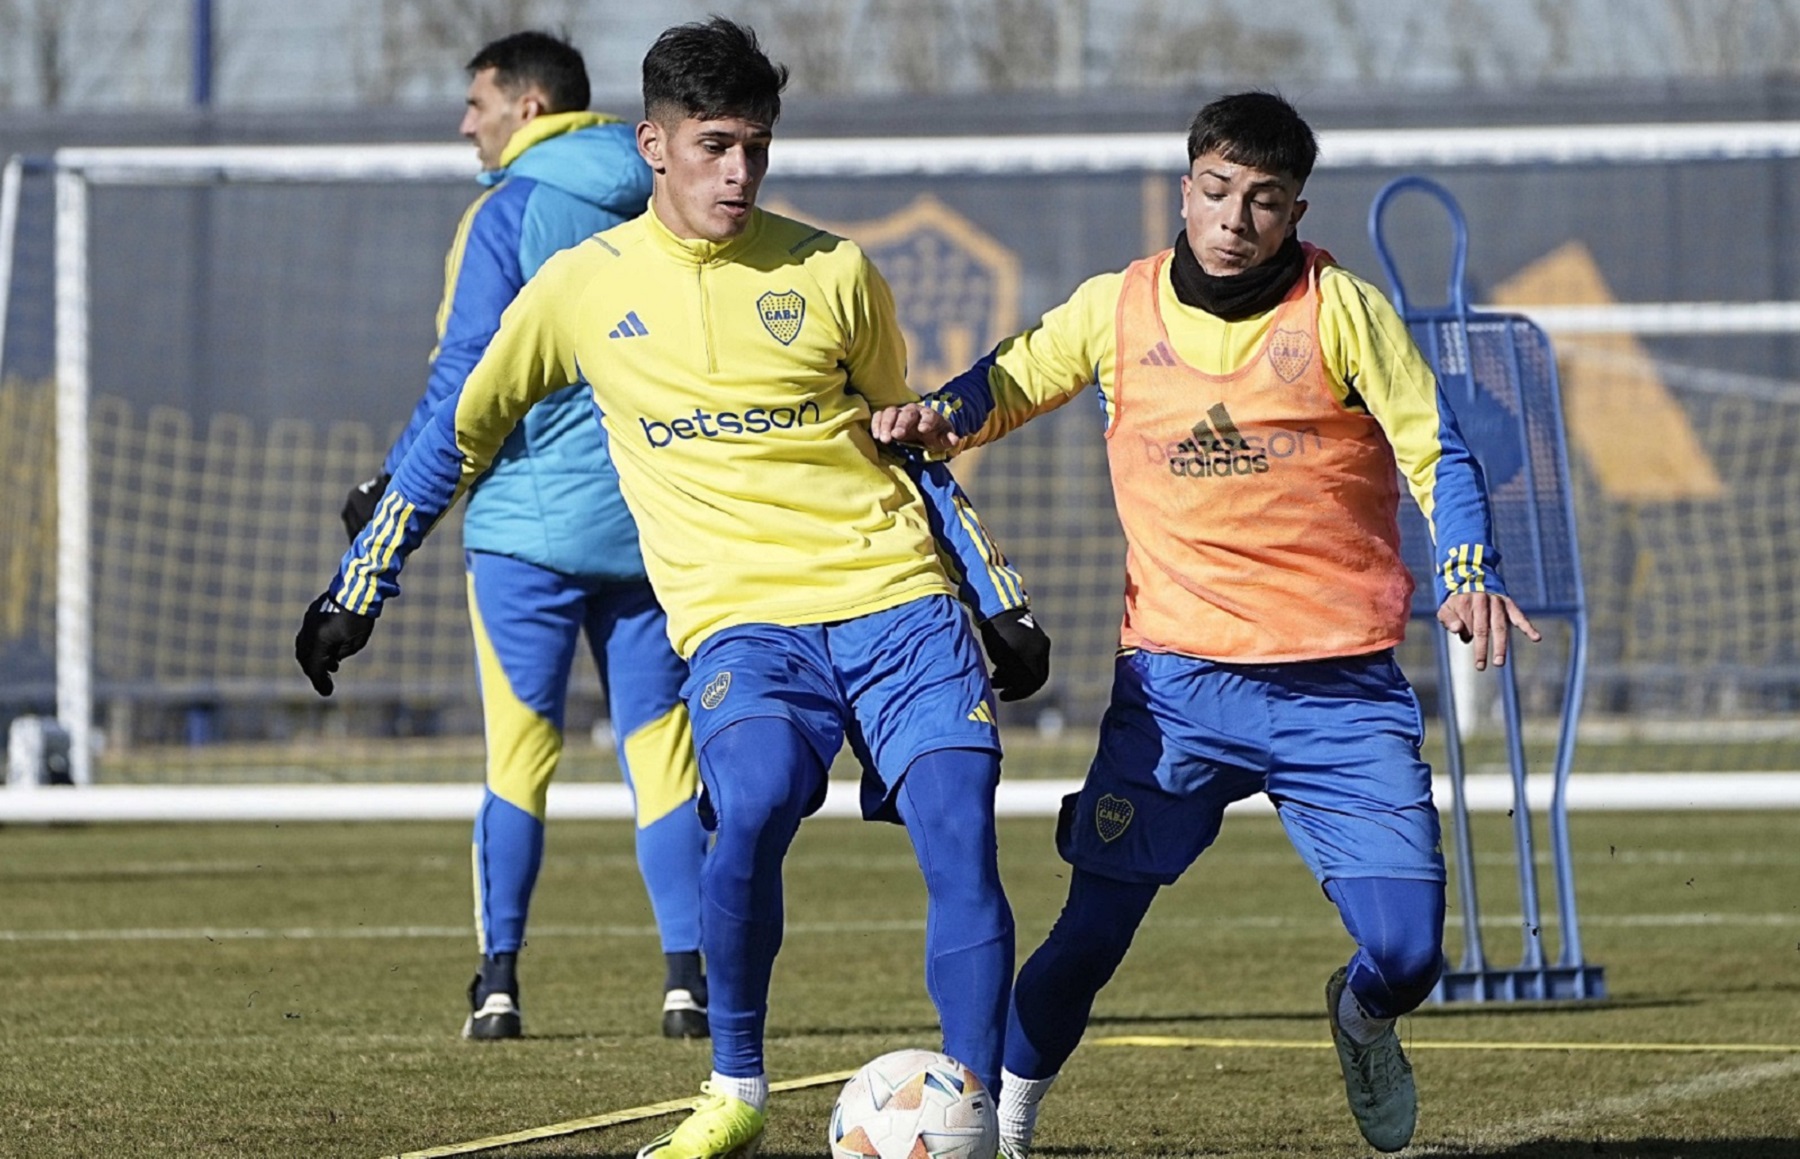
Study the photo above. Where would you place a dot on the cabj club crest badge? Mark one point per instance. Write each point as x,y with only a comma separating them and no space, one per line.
1112,816
782,314
1289,353
714,692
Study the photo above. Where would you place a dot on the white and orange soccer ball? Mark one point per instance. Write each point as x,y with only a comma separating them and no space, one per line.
914,1104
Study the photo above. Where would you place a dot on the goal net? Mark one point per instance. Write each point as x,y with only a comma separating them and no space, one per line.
206,347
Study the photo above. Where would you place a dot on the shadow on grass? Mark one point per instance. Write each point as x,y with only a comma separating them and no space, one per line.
1761,1148
920,1030
1543,1149
1171,1017
1459,1010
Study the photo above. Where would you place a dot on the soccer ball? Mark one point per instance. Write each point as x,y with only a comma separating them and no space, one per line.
914,1104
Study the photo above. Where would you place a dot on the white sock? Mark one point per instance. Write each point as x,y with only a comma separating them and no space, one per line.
1356,1022
754,1090
1018,1110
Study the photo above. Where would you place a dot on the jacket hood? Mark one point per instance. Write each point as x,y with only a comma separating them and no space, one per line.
586,155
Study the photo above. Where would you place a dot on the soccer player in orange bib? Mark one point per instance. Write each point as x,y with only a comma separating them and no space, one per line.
1261,405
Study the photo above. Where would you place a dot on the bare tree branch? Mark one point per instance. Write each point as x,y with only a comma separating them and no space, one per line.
1210,47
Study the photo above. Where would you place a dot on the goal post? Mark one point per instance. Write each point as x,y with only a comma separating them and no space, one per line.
966,270
74,559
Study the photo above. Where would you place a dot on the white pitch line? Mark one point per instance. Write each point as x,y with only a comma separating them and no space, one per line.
806,861
1616,1107
1016,797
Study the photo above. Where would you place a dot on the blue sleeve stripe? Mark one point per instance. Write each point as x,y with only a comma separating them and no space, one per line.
1001,574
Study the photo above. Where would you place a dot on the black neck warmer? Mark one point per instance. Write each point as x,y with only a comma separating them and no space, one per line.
1235,297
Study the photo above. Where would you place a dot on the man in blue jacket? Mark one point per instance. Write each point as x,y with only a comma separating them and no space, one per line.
551,549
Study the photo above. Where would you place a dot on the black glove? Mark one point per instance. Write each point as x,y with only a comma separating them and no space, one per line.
328,634
359,508
1020,651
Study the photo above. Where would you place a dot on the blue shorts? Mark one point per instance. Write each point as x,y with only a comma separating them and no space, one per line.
896,684
1334,743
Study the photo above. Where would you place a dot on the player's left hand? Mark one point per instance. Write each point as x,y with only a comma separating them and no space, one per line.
914,423
1485,620
1020,651
327,635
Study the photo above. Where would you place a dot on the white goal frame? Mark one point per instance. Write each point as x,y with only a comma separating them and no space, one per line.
76,170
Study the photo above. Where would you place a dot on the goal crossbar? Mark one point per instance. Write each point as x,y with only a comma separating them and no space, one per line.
982,155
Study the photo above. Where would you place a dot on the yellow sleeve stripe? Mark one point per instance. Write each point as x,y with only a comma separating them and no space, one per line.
944,404
1005,580
1462,569
453,262
358,589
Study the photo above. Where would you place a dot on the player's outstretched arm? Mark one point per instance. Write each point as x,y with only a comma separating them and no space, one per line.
1485,620
1367,343
1027,375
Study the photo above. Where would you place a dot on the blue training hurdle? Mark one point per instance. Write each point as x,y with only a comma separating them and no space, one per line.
1498,372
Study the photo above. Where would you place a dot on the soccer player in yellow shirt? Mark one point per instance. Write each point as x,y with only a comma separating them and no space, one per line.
1261,404
735,357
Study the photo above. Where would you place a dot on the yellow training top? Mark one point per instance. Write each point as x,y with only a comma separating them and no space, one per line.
735,381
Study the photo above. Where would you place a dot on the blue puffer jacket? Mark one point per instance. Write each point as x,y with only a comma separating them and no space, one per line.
551,497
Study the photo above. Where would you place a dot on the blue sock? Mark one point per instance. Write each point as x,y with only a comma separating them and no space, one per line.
1399,930
670,852
946,800
1055,990
759,774
509,848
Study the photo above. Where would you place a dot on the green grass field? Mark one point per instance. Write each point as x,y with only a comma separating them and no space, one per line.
295,990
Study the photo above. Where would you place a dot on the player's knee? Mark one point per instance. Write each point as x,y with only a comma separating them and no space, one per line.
760,777
1408,969
758,804
972,895
951,790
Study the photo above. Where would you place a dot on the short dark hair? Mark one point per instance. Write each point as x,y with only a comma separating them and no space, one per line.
712,69
1257,129
538,59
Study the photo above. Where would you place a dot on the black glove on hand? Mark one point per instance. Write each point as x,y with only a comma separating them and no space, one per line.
1020,651
328,634
359,508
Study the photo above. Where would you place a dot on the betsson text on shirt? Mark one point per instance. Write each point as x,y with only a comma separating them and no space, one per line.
705,424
